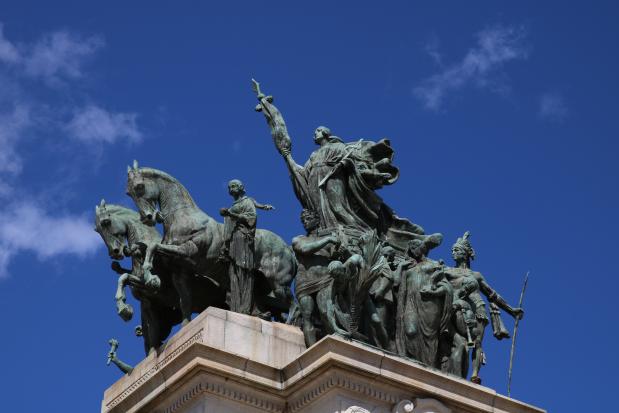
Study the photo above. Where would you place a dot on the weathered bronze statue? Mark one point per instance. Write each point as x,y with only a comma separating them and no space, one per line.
469,285
339,180
314,281
239,233
125,235
193,240
113,358
361,271
423,312
379,306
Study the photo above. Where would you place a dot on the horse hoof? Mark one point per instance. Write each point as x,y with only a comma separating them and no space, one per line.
125,311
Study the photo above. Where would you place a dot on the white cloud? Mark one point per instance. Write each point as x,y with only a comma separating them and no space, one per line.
39,110
13,125
25,227
8,51
93,124
60,55
432,49
552,107
54,57
495,47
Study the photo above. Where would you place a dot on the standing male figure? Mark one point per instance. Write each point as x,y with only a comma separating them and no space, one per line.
239,233
469,285
314,281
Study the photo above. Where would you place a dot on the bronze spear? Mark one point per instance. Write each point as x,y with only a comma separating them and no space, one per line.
511,354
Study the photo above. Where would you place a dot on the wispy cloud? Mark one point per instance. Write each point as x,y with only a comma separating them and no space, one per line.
552,107
13,124
54,57
432,48
495,47
26,227
93,124
60,55
38,101
8,51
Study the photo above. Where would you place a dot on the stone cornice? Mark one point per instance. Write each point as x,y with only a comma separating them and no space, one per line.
191,366
329,364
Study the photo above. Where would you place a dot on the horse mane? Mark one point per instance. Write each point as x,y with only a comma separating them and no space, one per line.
156,173
114,209
159,174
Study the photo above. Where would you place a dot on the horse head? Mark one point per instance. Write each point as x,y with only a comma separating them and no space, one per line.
113,231
145,194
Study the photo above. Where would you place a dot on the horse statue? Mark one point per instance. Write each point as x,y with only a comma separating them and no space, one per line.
125,235
193,239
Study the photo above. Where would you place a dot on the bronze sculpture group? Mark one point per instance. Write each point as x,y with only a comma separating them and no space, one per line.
359,271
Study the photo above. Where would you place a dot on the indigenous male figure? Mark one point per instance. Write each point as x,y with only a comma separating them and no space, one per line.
239,233
314,253
468,285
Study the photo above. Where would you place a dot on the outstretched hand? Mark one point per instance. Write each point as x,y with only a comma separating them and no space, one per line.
111,356
518,313
224,212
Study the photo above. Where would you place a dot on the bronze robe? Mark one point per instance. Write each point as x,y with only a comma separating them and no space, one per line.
243,232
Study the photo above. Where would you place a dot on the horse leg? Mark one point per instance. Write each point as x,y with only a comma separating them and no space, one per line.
182,285
183,251
151,280
125,311
150,327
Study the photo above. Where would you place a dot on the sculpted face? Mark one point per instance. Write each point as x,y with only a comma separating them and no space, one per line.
417,249
337,271
113,232
310,221
389,253
458,253
321,133
236,188
145,194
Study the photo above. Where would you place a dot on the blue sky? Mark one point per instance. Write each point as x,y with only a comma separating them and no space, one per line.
503,116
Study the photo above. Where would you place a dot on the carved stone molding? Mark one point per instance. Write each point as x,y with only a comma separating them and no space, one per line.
340,380
356,409
430,406
227,390
144,377
187,397
404,406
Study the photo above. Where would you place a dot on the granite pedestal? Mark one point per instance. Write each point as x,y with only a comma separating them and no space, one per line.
233,363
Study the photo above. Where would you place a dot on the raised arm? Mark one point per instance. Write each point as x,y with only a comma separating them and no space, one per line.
495,298
302,245
283,143
266,207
